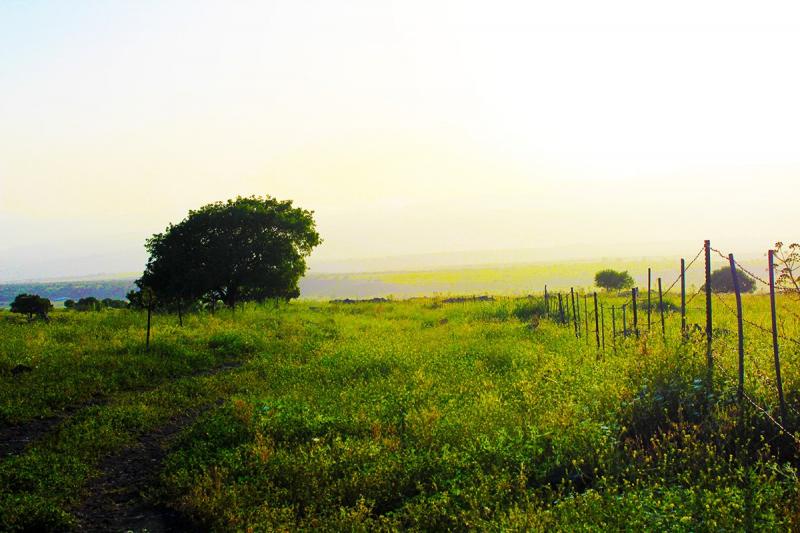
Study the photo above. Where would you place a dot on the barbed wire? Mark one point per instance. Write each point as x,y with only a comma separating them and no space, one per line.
685,269
760,377
752,402
694,296
754,324
740,267
771,418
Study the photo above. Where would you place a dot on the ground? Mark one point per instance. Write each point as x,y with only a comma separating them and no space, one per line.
419,415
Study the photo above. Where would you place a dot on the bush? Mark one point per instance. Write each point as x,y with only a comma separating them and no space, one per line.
613,280
722,281
526,310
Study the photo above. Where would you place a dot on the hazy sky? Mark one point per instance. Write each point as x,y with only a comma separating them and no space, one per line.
407,126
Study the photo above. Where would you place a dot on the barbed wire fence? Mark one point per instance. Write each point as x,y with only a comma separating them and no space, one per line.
776,333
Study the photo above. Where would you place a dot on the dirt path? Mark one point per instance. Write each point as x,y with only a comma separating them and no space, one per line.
115,501
14,439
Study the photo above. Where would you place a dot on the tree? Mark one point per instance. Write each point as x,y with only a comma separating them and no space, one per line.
69,304
613,280
90,303
31,304
111,303
722,281
241,250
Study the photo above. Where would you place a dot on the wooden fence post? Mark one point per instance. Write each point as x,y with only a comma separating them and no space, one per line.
740,391
661,311
624,323
596,322
683,298
546,302
586,316
778,381
649,301
603,325
614,326
709,326
635,315
574,315
561,309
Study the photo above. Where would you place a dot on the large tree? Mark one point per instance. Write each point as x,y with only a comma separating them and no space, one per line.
244,249
31,304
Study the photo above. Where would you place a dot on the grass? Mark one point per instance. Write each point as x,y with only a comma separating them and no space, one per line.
406,415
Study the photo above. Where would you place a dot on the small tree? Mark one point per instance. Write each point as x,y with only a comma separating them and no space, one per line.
31,304
69,304
613,280
722,281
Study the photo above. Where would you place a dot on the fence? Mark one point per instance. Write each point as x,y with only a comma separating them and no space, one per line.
589,322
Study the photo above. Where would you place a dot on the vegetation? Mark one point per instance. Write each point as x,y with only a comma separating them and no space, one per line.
93,304
722,281
247,249
31,304
57,291
400,415
610,279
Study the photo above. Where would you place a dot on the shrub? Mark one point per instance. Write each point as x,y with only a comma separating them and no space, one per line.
526,310
722,281
613,280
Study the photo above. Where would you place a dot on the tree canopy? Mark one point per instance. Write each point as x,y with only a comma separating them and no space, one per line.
245,249
613,280
722,281
31,304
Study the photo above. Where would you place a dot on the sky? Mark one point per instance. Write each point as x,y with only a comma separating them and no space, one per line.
409,127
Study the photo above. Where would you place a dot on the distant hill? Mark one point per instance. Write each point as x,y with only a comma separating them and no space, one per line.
486,279
58,291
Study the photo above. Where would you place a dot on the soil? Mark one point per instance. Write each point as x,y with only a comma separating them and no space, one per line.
116,499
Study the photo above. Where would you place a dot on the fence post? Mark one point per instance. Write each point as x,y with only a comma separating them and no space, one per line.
624,322
649,302
635,314
561,309
546,302
603,325
778,381
740,391
596,322
574,316
683,298
709,326
614,326
586,316
661,311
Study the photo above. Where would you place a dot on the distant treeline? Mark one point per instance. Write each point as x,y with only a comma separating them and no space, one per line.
58,291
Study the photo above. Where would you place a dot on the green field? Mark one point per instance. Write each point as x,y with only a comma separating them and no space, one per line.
414,415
